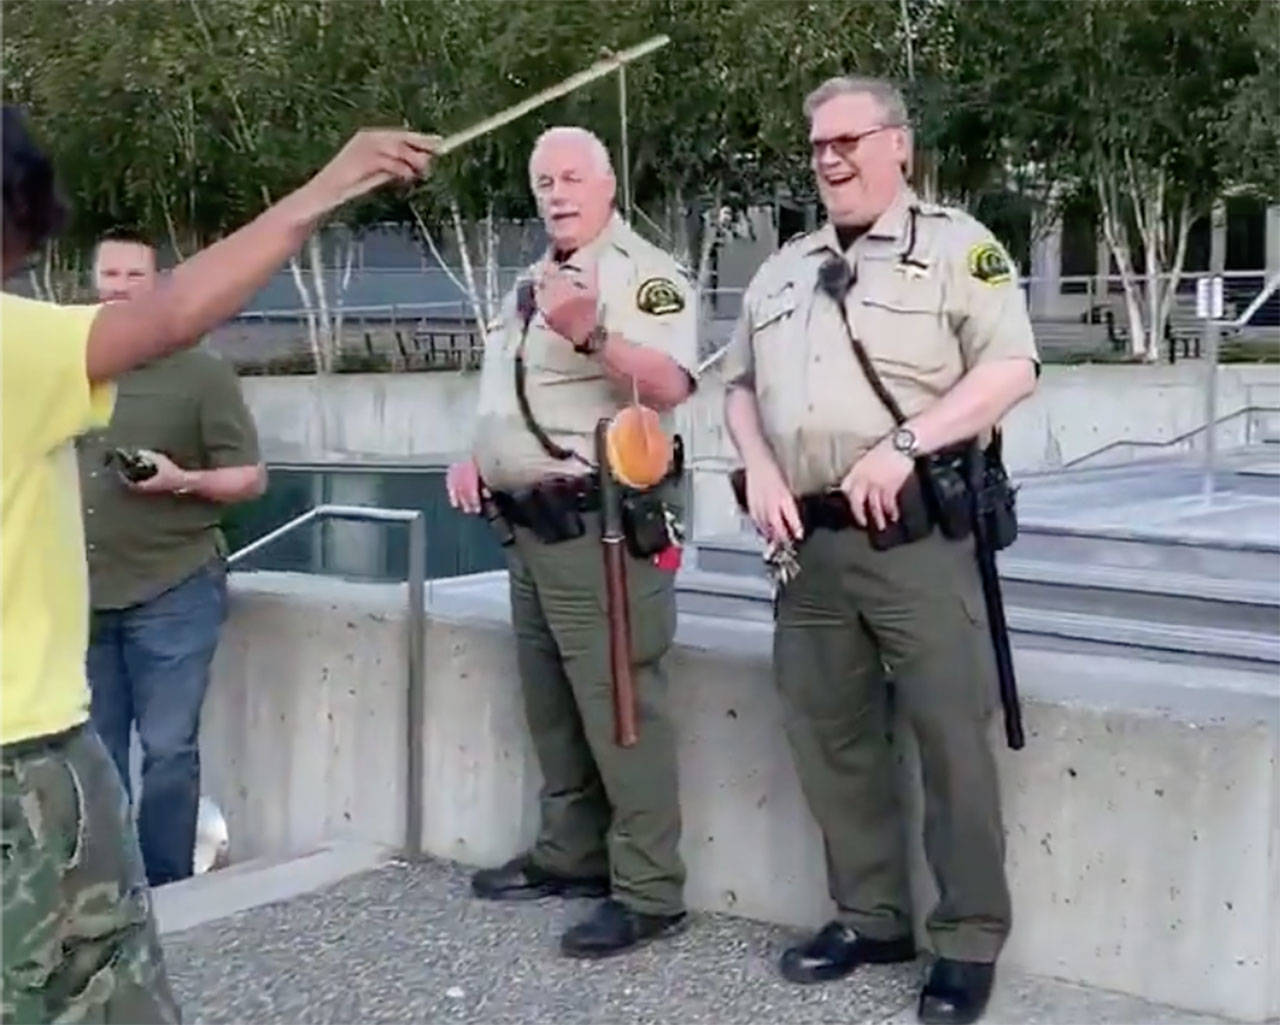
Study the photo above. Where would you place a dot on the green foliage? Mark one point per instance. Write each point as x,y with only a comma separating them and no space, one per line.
177,119
1042,92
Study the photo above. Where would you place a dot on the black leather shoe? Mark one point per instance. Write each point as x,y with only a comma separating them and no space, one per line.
520,879
956,993
836,950
613,928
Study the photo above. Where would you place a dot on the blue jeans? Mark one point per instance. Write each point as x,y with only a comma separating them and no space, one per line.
150,663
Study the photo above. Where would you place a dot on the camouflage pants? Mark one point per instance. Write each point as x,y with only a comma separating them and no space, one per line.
79,938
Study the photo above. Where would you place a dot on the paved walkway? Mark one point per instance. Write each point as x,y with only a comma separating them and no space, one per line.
406,943
1164,497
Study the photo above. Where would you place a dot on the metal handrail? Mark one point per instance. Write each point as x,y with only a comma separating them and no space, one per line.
1243,411
1266,293
416,580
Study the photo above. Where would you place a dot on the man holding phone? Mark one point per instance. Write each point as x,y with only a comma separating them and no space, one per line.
181,447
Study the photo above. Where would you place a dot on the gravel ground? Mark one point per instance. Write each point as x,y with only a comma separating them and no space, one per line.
408,943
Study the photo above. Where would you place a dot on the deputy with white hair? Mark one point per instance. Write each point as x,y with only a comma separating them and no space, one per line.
602,318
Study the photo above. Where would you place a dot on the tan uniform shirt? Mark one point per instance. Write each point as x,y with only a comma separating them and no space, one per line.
934,295
645,296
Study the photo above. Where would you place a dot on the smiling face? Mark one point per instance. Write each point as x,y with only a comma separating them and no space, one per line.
858,158
574,189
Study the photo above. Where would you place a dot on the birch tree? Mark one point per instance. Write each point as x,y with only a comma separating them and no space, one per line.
1126,102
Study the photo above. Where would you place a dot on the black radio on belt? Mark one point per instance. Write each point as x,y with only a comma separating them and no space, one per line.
945,475
648,524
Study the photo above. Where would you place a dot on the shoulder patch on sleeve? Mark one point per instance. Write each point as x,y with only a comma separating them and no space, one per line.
988,263
659,296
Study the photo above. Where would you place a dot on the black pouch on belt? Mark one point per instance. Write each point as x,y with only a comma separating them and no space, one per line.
946,476
997,499
554,516
913,523
646,524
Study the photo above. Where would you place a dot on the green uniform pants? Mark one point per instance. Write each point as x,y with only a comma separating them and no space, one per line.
916,613
79,939
606,810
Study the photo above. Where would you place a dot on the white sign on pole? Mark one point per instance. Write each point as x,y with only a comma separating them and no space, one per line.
1209,298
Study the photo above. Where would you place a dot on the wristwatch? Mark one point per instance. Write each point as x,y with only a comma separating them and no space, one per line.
594,341
906,442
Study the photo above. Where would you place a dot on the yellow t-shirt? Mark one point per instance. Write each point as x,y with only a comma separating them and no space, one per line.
44,588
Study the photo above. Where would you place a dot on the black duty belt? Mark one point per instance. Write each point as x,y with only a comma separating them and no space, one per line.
825,510
533,505
830,510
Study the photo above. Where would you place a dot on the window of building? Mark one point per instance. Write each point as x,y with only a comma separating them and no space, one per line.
1078,253
1246,233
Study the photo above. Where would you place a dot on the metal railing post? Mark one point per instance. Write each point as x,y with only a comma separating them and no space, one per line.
416,703
415,697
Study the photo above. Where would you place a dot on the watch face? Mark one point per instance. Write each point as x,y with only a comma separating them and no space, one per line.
904,440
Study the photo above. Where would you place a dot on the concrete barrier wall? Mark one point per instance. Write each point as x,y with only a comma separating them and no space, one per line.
430,417
425,416
1143,818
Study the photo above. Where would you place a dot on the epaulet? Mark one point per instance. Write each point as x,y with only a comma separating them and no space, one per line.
938,210
795,241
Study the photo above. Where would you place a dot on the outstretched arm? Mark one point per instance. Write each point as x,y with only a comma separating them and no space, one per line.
214,284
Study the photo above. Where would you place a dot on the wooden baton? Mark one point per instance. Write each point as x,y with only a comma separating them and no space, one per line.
617,607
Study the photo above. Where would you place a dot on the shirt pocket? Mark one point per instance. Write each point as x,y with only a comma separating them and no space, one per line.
776,333
902,323
554,356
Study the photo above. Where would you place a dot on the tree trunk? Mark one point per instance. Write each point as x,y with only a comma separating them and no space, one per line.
324,320
680,228
491,298
468,272
57,279
710,239
1117,241
308,307
1152,354
1175,264
344,282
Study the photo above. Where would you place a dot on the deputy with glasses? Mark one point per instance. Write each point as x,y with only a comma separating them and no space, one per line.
894,331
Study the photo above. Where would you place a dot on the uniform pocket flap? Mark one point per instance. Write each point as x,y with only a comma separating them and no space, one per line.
930,305
774,308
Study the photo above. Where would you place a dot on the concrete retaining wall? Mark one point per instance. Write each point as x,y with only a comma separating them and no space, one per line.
1143,818
429,418
424,416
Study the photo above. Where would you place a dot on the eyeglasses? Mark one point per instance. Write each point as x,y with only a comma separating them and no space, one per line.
844,145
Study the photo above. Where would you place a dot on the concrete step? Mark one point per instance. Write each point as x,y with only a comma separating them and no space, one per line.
724,595
1090,607
1176,599
1077,548
1238,561
266,880
1087,632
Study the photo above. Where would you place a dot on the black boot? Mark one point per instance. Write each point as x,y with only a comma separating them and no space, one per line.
614,928
836,950
520,879
956,993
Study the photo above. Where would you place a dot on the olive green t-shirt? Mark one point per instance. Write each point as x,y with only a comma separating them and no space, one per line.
188,406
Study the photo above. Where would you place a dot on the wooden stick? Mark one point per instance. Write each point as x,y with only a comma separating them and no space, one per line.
597,70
